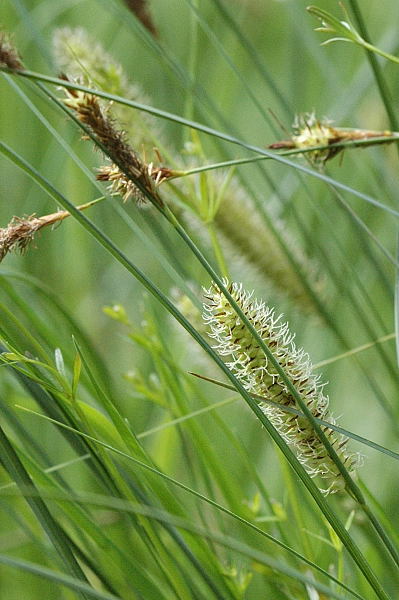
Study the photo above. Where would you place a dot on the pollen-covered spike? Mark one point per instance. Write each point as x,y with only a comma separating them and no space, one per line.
251,367
310,132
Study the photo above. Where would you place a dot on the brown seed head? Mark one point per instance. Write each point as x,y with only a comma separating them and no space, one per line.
122,186
20,231
129,169
18,234
9,56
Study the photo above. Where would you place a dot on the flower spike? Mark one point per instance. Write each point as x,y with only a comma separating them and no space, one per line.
252,368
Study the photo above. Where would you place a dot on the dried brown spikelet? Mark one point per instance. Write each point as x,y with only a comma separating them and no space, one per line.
20,231
17,235
9,56
131,167
122,186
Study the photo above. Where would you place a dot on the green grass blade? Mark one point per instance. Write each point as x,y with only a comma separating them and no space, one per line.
18,473
205,129
375,66
224,540
80,587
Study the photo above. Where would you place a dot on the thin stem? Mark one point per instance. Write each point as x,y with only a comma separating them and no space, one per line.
17,471
298,413
375,66
333,359
205,129
387,55
217,250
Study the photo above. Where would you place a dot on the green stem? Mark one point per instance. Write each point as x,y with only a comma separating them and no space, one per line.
199,127
17,472
384,139
381,533
217,250
192,63
386,55
375,66
296,509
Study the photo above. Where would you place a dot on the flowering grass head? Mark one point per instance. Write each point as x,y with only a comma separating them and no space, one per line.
252,368
129,169
310,132
9,56
18,234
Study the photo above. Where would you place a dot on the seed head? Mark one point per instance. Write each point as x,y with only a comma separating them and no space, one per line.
250,365
20,231
122,186
311,132
80,55
9,56
18,234
132,170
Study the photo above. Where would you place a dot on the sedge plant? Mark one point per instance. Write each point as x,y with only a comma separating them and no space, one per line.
124,476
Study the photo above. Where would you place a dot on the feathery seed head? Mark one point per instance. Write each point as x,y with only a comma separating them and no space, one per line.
252,368
80,55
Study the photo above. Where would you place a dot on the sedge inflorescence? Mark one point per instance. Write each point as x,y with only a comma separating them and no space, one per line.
18,234
309,131
259,377
9,56
132,173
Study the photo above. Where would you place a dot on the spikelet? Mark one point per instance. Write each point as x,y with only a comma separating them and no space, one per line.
129,167
310,132
20,232
9,56
249,364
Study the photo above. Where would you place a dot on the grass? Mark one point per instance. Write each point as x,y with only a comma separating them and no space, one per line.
124,475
